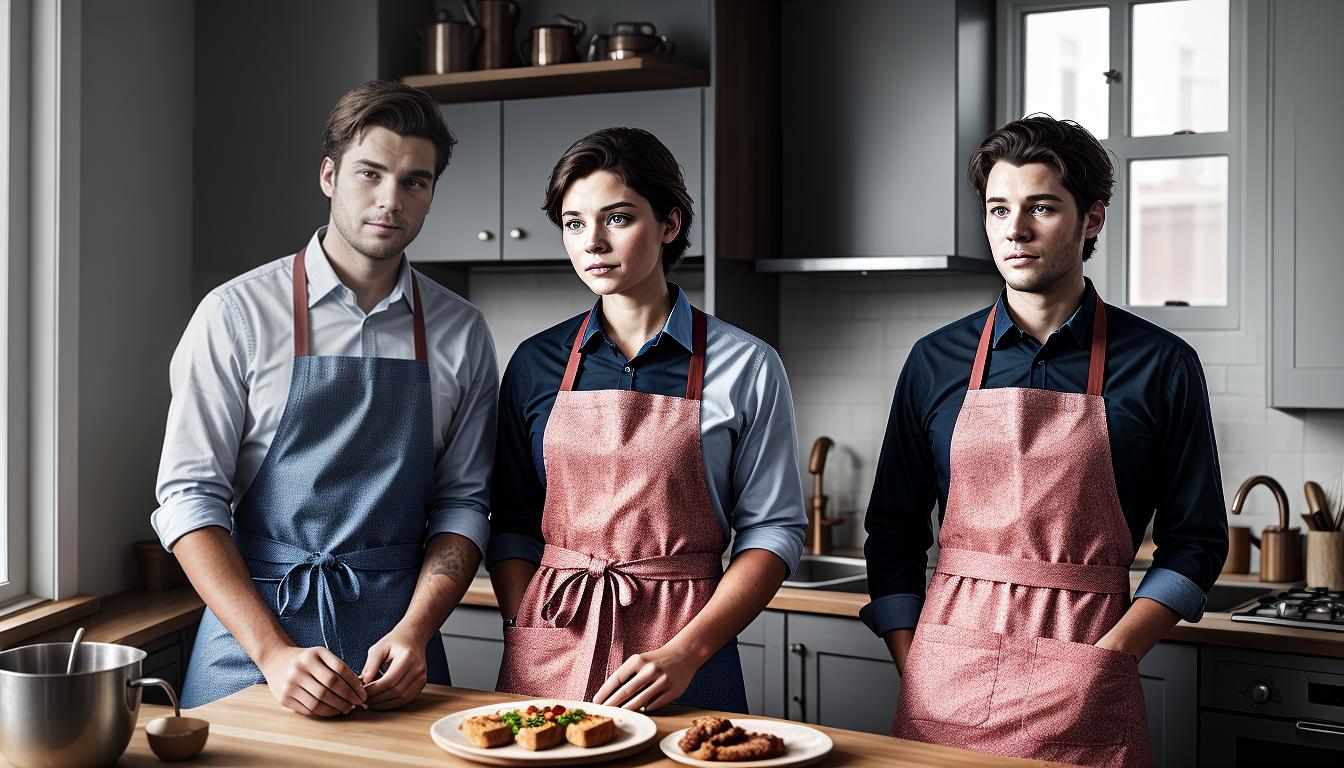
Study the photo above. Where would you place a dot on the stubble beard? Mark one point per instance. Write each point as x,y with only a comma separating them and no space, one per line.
1042,282
372,248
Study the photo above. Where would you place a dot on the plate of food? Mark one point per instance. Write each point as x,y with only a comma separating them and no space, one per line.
543,732
713,741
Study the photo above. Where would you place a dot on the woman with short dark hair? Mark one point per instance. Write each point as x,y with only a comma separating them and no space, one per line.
634,439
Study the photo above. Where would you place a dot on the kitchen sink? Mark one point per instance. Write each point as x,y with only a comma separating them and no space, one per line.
830,572
1224,597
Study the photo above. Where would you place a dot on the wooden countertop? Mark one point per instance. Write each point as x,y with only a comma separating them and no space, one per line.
249,728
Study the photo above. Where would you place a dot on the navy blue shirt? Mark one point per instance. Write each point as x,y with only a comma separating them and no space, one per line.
1162,449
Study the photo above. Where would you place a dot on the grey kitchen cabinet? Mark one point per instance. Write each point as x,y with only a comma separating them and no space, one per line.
761,647
488,203
839,674
1306,273
877,135
1170,677
473,639
166,658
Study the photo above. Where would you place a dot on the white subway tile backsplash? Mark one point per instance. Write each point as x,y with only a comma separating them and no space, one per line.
1246,380
1216,378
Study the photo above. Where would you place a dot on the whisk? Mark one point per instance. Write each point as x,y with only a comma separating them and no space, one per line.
1334,497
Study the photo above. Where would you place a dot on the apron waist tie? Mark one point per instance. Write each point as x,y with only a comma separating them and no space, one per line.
1078,577
592,580
298,570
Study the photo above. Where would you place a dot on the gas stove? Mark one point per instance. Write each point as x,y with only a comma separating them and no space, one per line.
1306,607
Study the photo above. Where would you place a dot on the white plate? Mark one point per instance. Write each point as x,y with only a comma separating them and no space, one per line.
633,733
802,745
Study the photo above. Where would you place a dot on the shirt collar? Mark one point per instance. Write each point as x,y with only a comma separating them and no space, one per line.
322,279
678,325
1079,323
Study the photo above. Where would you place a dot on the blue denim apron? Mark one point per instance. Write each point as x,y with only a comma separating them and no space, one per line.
332,528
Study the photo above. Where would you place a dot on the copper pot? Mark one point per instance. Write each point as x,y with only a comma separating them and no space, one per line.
496,20
554,43
630,39
448,45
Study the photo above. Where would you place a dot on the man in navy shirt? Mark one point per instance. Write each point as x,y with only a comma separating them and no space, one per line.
1050,428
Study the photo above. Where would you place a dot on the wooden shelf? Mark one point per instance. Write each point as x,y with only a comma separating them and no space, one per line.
639,74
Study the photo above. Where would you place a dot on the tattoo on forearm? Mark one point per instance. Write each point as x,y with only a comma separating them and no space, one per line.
456,559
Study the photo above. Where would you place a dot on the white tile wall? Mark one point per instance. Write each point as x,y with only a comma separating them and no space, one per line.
844,340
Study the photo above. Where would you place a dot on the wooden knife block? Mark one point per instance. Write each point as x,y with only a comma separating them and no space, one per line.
1281,554
1325,560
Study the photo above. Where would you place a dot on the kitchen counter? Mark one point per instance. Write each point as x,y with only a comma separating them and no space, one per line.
249,728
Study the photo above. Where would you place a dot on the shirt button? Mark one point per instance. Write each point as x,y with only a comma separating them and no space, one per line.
626,369
1039,363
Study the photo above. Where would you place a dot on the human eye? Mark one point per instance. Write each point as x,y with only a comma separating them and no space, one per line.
998,211
1041,208
365,173
416,184
618,218
573,225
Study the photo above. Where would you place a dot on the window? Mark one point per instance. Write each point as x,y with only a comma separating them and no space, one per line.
13,518
1157,84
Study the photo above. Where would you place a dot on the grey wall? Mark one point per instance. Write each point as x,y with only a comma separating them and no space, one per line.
135,266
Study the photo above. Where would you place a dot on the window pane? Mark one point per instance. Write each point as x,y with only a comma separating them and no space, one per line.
1180,67
1067,54
1178,231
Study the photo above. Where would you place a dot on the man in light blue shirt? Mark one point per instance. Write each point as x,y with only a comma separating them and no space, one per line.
325,472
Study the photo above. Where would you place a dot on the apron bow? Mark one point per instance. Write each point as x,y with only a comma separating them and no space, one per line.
573,592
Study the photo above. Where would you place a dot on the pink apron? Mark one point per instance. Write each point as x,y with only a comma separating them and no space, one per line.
1032,570
633,545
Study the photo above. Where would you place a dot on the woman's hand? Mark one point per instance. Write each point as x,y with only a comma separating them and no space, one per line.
650,681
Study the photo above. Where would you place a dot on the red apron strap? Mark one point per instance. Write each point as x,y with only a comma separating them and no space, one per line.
1096,372
695,376
300,305
418,318
572,367
982,352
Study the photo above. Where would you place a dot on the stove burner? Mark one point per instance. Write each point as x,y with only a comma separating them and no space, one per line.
1312,607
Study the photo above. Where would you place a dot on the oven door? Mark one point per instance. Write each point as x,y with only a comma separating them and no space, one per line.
1241,741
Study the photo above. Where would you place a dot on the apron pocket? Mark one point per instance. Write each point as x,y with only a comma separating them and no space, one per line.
1080,694
539,661
951,674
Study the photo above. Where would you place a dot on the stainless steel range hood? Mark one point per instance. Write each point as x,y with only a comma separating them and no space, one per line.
964,264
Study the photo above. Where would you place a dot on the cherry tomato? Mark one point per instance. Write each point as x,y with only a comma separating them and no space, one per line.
559,710
532,710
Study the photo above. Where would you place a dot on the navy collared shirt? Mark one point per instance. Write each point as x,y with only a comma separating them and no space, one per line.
747,435
1162,449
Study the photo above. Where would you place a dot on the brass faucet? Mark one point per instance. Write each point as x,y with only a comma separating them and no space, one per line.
1239,500
818,539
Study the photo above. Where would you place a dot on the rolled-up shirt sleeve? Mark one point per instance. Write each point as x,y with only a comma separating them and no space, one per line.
899,517
518,499
768,513
462,494
208,378
1190,526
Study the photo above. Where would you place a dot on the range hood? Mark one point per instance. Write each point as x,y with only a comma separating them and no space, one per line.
864,264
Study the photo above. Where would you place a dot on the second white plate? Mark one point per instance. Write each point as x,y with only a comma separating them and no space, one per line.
803,745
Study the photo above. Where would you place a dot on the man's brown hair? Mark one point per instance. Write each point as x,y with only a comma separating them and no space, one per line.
1082,163
397,107
641,162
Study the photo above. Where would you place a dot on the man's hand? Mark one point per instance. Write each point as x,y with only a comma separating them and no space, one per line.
650,681
404,652
312,681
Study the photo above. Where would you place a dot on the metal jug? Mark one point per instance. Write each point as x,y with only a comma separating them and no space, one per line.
554,43
448,45
496,19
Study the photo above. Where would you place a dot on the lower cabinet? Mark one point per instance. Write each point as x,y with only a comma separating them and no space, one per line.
1170,677
839,674
473,638
166,657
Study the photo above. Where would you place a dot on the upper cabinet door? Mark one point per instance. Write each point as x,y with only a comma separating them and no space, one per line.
538,131
463,222
1307,358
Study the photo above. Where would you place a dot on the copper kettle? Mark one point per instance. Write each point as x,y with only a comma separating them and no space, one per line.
553,43
448,44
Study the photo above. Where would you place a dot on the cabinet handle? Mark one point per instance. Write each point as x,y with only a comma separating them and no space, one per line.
484,235
517,234
798,648
1326,728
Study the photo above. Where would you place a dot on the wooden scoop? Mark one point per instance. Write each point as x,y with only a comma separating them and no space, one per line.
177,737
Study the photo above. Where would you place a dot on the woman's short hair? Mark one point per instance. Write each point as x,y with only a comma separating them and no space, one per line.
395,106
1082,163
641,162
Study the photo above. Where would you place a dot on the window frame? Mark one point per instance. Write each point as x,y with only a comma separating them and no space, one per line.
1109,267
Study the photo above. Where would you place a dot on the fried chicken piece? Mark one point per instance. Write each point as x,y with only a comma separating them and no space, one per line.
701,729
756,746
733,735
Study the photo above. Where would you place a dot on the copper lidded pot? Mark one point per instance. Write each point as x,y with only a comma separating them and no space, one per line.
628,40
448,45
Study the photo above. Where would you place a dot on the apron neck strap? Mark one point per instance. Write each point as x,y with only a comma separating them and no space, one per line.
1096,368
695,375
301,311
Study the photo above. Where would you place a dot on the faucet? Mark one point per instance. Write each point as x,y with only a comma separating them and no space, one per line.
1239,500
818,539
